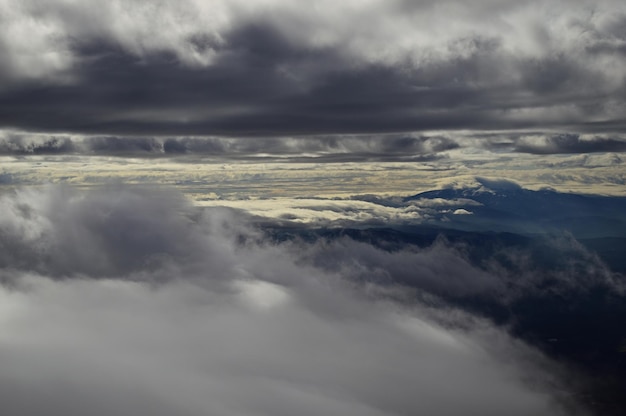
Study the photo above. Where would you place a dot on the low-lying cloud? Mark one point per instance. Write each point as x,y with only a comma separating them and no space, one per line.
131,301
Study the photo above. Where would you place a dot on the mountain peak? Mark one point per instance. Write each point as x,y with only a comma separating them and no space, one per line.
497,184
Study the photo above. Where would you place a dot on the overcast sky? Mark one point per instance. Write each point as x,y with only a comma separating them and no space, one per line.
277,67
432,91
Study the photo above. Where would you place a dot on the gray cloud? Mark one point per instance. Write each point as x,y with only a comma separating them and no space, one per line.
321,148
315,148
422,269
231,68
194,312
23,144
569,143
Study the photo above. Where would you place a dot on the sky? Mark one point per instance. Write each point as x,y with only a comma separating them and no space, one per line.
145,144
531,91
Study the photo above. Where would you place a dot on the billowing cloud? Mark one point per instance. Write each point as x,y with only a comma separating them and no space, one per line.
132,301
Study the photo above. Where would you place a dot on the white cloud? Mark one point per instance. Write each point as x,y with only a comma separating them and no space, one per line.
136,303
31,46
103,346
38,36
322,211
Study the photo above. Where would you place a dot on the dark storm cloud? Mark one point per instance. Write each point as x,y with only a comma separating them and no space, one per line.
231,68
318,148
544,143
21,144
245,96
321,148
234,324
123,145
569,143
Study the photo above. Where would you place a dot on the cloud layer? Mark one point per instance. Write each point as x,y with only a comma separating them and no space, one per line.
409,147
273,67
131,301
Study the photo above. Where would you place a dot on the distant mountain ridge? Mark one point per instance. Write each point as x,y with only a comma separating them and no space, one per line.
506,206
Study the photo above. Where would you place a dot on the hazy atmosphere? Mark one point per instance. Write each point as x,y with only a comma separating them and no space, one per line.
271,207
